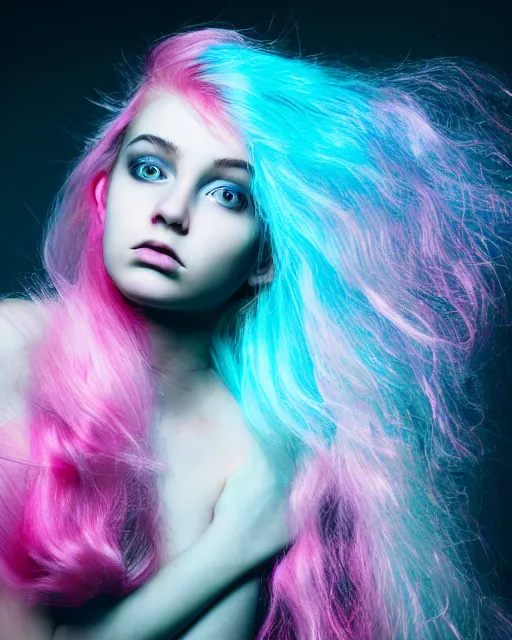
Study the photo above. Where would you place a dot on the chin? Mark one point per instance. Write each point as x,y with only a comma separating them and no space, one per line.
147,289
144,299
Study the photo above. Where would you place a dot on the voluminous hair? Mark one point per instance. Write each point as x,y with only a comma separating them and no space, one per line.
384,197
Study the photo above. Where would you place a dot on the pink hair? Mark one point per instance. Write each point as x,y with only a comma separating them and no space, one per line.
382,219
85,518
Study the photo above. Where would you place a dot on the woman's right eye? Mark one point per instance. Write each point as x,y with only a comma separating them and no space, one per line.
147,170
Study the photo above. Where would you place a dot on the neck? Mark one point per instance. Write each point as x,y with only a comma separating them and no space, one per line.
181,344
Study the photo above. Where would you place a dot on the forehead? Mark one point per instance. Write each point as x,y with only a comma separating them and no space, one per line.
171,117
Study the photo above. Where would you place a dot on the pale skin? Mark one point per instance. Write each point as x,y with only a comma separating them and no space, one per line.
171,199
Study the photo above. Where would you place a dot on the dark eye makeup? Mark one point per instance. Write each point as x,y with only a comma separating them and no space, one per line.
150,168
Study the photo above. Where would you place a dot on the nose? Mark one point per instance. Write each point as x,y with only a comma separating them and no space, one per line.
173,210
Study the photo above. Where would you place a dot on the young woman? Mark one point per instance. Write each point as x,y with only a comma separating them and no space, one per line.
266,279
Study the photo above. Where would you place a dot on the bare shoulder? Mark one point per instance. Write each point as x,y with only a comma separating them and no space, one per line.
21,323
21,621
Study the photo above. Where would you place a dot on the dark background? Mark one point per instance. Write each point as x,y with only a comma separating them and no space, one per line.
57,57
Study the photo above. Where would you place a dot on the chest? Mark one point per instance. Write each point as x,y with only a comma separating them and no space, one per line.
198,455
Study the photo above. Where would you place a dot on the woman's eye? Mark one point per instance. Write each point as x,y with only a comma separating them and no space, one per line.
147,170
231,198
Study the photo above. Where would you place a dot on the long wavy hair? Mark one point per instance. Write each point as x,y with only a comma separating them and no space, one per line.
384,198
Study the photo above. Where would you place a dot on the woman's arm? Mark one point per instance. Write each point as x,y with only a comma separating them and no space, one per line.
175,596
231,618
249,528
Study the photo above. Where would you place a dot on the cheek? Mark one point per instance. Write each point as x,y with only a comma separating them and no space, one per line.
117,216
121,198
233,259
115,235
108,231
108,249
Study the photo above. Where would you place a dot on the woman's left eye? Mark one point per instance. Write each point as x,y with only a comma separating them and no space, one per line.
147,170
229,195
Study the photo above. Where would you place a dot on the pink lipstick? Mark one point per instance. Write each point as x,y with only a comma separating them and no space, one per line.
157,258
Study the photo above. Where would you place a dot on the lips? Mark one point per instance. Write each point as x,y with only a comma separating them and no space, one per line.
161,247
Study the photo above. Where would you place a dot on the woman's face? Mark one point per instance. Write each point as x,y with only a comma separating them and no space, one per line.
168,186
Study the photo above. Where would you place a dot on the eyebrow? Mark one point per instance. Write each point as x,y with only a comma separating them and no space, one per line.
171,149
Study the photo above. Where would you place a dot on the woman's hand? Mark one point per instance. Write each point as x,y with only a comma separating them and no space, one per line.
251,512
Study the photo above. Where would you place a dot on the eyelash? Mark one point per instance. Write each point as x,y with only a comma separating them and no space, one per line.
152,162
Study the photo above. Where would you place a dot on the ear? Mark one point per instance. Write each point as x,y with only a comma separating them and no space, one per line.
100,186
262,275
